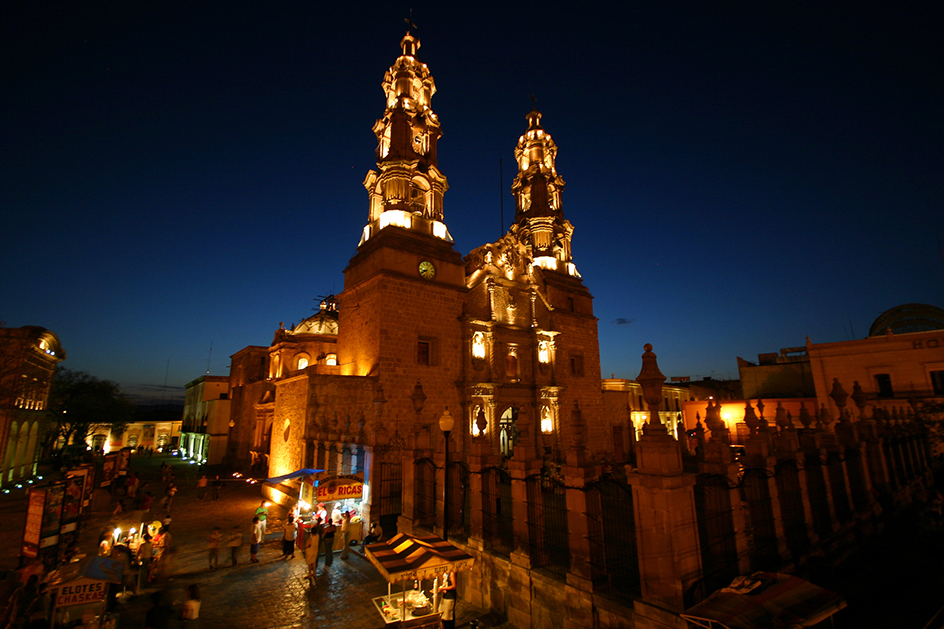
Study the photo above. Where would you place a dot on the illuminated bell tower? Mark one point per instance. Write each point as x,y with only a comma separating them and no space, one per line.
539,218
407,188
404,289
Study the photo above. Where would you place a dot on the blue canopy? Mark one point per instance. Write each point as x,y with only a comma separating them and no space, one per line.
305,471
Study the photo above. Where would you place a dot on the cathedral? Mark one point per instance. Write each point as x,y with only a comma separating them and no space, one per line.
465,391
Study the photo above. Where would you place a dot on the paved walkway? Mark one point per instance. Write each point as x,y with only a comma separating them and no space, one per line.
271,594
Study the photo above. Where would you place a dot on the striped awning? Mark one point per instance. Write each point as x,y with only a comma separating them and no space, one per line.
404,557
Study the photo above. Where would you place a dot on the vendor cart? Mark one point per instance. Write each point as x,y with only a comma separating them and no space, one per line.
79,592
410,560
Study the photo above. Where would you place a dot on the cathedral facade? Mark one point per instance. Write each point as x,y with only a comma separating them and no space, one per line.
466,392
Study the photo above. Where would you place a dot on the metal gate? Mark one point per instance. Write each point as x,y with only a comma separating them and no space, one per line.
716,531
548,532
762,532
457,476
391,488
497,514
791,508
837,483
857,484
612,531
424,499
819,498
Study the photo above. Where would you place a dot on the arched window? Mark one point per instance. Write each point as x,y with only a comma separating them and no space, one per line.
302,361
331,359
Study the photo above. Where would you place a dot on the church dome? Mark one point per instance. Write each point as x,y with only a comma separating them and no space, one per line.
325,321
908,318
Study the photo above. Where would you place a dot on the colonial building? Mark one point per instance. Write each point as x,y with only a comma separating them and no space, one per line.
467,392
28,358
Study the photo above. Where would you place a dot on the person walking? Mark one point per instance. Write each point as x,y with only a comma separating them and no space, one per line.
217,484
190,612
262,512
202,483
213,546
255,540
312,544
234,542
288,538
327,538
345,534
145,558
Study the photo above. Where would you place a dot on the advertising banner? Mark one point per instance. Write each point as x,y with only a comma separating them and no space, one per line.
79,592
52,515
346,487
35,504
109,469
74,494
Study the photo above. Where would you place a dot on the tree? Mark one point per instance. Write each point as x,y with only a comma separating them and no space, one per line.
81,404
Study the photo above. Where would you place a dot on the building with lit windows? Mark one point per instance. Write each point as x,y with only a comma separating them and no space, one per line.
28,358
466,391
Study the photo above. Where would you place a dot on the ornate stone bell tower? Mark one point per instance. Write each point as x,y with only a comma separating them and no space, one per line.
404,288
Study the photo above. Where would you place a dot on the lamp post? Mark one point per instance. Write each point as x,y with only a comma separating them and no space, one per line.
446,422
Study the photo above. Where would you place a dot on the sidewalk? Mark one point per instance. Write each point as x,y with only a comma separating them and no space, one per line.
271,594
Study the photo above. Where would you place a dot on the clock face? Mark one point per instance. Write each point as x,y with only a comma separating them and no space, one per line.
427,270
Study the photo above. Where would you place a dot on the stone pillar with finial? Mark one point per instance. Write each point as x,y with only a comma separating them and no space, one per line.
759,455
480,459
578,472
664,501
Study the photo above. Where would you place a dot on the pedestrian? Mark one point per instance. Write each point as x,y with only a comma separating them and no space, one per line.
312,544
288,538
146,500
217,485
20,602
255,539
119,509
166,521
374,534
169,495
213,544
160,614
190,613
202,487
234,542
328,539
132,484
145,558
447,606
345,534
262,512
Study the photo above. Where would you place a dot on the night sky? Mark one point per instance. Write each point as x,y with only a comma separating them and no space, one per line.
741,175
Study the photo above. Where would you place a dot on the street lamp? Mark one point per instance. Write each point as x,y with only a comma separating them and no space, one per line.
446,422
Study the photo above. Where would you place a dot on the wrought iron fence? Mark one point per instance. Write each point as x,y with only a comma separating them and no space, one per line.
424,499
458,508
391,488
548,532
762,532
857,484
497,514
819,497
716,531
612,534
791,508
837,483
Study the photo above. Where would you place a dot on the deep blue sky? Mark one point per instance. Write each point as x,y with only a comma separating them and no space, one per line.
740,174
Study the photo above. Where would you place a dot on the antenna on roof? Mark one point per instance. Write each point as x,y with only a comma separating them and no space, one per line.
501,198
209,356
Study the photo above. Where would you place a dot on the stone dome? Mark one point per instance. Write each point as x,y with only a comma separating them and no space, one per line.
908,318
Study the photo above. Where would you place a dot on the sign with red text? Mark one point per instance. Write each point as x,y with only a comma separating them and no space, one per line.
79,592
346,487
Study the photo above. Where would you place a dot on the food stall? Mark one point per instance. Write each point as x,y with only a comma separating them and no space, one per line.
326,495
765,599
410,561
79,592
